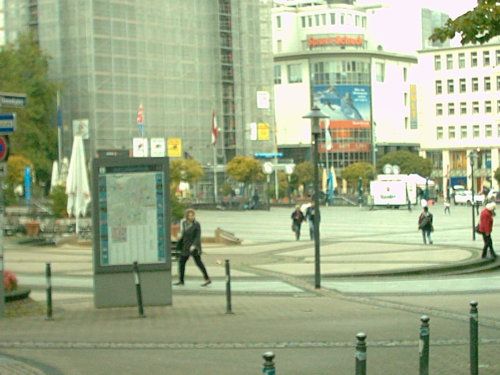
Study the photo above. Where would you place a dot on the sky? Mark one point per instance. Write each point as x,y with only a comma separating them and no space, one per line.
453,8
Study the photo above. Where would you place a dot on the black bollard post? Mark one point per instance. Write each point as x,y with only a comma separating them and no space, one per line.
138,290
269,368
361,354
228,289
48,277
474,338
424,345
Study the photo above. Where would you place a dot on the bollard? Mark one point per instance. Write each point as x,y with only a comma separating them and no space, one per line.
138,290
361,354
48,278
424,346
269,368
228,289
474,338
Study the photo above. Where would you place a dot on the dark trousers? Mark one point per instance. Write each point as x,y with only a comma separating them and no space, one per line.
426,235
182,266
296,229
488,244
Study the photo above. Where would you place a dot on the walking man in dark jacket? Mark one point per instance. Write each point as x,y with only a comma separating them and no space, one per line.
297,219
425,225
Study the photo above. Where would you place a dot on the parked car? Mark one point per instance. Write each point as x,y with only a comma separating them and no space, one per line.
462,196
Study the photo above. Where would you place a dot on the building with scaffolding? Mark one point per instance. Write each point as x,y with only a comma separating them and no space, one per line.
183,60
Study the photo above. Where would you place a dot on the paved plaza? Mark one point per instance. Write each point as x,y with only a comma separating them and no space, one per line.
275,304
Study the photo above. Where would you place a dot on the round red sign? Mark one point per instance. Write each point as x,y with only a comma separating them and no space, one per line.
4,148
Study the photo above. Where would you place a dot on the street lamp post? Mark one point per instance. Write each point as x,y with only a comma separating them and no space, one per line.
473,158
315,115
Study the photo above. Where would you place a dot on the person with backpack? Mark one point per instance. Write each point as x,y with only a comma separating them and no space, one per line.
297,219
425,225
485,227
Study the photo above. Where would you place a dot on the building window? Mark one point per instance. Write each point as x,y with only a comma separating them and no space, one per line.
380,72
451,87
449,61
463,86
405,98
439,88
406,122
451,108
497,55
405,75
342,16
451,132
363,22
461,60
498,130
279,45
357,19
316,18
294,73
439,132
486,58
475,131
323,19
487,83
473,59
437,62
303,21
463,108
488,131
278,22
498,83
277,74
475,107
498,106
439,109
463,131
309,21
475,84
487,106
332,18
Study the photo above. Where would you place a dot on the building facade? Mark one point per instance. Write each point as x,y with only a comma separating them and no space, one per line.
182,60
324,55
460,99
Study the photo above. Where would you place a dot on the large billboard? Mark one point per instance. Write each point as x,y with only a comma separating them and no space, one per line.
347,106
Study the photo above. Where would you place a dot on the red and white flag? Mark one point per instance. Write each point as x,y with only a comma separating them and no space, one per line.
215,129
140,115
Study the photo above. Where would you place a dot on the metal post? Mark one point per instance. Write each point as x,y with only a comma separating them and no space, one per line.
2,227
361,354
228,288
474,339
269,368
424,346
268,185
48,278
138,290
473,200
317,267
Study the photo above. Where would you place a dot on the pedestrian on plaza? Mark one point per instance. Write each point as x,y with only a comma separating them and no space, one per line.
310,217
297,219
486,227
189,244
447,206
425,225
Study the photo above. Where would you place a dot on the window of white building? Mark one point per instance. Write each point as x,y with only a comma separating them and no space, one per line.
439,132
279,45
497,54
461,60
463,131
486,58
363,22
323,19
405,74
342,17
439,109
463,108
498,106
498,83
303,18
332,18
316,18
475,131
473,59
380,72
277,74
487,106
310,21
451,132
449,61
278,22
487,83
488,131
475,84
451,87
463,85
439,87
475,107
437,62
294,73
451,108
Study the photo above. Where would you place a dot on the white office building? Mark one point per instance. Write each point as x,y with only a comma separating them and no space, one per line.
459,110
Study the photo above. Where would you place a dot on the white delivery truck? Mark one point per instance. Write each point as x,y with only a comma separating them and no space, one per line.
389,193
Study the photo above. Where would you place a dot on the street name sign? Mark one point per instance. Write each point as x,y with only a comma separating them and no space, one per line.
9,99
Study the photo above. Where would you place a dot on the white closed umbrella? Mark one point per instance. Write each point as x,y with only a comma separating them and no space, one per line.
54,179
77,183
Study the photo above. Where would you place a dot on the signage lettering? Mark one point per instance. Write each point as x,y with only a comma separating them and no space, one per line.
338,40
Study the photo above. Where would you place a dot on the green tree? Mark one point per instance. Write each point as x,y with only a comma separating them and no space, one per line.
188,170
59,201
303,174
497,175
476,26
245,169
15,169
356,170
24,69
407,161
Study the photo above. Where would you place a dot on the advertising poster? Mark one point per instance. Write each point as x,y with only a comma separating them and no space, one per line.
347,106
174,147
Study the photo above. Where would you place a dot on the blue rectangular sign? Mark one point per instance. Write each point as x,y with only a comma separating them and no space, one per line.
7,123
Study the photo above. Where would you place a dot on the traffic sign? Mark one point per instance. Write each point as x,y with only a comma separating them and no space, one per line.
7,123
10,99
4,148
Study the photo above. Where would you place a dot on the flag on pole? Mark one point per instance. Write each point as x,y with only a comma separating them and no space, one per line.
140,120
328,139
215,129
